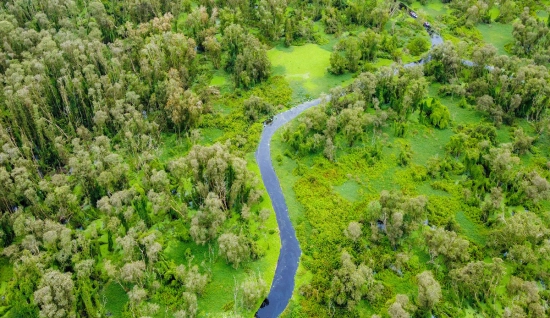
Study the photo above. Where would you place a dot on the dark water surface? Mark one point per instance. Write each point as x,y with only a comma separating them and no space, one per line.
283,282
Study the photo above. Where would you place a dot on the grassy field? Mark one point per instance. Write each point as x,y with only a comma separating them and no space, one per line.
433,8
497,34
306,69
115,299
542,14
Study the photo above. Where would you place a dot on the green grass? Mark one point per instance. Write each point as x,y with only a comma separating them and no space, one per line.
384,181
382,62
349,190
400,285
497,34
303,277
494,12
427,142
222,80
6,272
434,8
173,146
210,135
218,80
306,69
472,230
116,298
542,14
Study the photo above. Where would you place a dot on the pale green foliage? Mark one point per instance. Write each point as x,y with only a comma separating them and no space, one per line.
183,107
272,14
55,295
84,268
234,248
529,34
418,45
536,188
429,290
330,150
191,278
521,227
253,290
349,281
448,244
247,58
254,107
401,308
133,272
405,154
353,232
446,62
352,120
216,171
338,63
200,25
522,141
522,254
213,50
399,215
492,203
207,221
264,215
129,242
58,240
478,279
137,296
502,162
526,297
486,104
152,247
190,306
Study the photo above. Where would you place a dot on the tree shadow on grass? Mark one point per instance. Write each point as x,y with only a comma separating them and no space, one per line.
278,70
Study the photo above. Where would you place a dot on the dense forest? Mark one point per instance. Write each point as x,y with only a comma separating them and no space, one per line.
94,95
128,186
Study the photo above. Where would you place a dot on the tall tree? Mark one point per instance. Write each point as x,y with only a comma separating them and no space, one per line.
429,290
55,295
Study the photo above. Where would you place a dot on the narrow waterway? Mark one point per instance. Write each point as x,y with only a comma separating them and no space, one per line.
289,257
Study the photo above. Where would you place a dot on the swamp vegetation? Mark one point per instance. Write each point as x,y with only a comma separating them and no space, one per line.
128,186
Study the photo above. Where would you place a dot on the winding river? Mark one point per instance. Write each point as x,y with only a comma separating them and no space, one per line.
289,257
